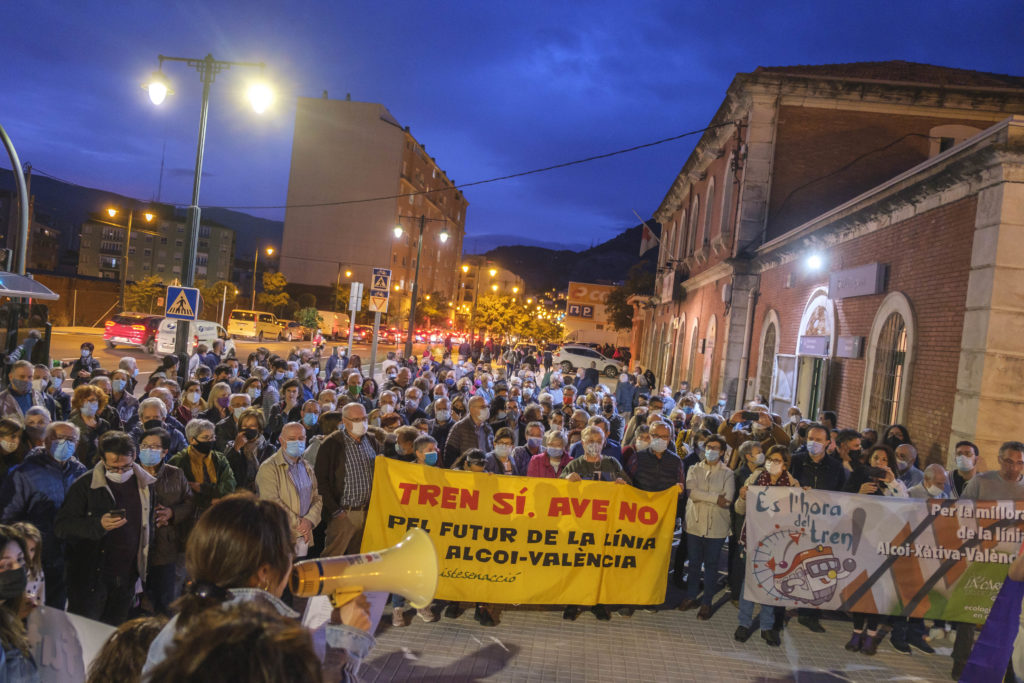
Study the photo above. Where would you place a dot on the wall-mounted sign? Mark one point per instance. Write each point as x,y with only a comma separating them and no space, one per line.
579,311
849,347
812,346
860,281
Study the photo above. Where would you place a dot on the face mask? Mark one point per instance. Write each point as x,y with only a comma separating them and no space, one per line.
86,353
326,407
193,397
659,445
759,458
481,414
293,449
309,419
62,450
234,372
290,374
223,401
9,446
854,455
430,458
934,491
203,447
592,449
442,415
501,415
89,408
278,376
118,385
13,583
502,450
135,372
150,457
358,428
120,477
964,463
392,375
644,444
237,412
721,403
353,389
250,434
253,392
711,455
449,382
815,448
774,468
38,384
903,466
554,452
386,409
534,442
688,410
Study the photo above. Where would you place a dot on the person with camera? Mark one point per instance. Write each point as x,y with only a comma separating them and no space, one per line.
106,520
876,477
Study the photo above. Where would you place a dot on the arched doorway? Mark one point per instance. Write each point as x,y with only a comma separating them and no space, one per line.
709,355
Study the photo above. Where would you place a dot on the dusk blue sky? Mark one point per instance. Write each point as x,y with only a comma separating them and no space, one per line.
490,88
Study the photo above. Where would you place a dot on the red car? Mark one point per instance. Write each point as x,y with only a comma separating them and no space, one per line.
132,329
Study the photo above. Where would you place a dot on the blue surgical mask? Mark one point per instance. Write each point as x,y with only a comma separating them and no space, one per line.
62,450
964,463
688,410
553,451
118,385
89,408
293,449
534,442
712,454
449,382
150,457
430,458
309,419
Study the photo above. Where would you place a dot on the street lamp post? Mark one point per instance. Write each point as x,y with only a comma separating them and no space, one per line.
255,260
260,97
149,216
416,278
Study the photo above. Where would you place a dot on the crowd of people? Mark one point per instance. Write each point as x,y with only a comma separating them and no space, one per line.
151,500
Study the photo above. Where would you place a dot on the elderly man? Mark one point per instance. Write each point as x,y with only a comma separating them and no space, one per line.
906,456
227,428
611,448
344,473
411,408
934,484
763,430
165,395
19,395
287,479
34,491
441,425
471,431
121,400
153,414
534,442
594,465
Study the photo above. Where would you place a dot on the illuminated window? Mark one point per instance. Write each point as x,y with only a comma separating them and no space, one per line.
888,373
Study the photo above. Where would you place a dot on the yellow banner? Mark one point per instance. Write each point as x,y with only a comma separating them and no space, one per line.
526,540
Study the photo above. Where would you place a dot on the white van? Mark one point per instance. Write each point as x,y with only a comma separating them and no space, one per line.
335,325
200,331
258,325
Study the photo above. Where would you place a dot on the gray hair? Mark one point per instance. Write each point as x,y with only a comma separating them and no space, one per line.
127,363
553,434
746,447
591,429
39,410
196,427
290,425
52,428
534,424
932,470
153,401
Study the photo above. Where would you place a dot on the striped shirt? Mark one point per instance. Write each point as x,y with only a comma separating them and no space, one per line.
359,456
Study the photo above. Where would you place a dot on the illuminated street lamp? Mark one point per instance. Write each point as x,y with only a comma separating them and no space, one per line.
443,237
148,216
260,97
255,260
494,288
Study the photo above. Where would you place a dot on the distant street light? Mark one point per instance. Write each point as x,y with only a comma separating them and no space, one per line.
416,278
112,212
270,252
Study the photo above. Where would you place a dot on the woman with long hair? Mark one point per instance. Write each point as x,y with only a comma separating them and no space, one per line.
192,403
241,550
16,663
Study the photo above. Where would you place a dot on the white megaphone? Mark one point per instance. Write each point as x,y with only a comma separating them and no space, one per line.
409,568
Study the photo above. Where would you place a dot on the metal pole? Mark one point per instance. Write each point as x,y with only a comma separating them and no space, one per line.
255,260
124,263
19,181
223,305
188,273
415,290
472,315
373,344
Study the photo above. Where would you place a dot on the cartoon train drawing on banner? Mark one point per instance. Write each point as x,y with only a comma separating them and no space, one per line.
786,571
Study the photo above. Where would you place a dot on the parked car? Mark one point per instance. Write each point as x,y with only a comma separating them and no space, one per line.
363,334
132,329
293,331
199,331
258,325
572,356
334,325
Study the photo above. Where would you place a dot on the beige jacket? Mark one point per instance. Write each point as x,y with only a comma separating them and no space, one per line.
704,484
274,483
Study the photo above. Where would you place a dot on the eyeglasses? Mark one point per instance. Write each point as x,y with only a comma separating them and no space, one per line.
114,468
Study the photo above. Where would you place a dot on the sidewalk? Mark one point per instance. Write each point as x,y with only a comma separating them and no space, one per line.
77,330
536,644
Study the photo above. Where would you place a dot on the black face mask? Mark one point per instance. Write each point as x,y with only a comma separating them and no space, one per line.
251,434
152,424
12,583
204,447
855,455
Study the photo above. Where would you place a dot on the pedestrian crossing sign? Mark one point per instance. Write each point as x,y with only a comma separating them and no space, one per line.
182,303
381,279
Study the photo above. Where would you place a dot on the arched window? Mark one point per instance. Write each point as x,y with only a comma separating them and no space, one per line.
768,350
691,369
888,364
694,216
709,354
887,373
708,206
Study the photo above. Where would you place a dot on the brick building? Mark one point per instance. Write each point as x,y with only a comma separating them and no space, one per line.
829,244
343,154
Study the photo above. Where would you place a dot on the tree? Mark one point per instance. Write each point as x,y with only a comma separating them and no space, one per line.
212,296
309,317
433,309
307,300
616,306
142,295
501,315
273,298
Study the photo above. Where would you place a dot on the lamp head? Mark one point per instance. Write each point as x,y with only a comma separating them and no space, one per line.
260,96
398,231
465,268
157,88
493,271
149,216
111,212
270,251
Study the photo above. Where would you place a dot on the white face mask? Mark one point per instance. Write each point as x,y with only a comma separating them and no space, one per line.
774,468
502,450
386,409
481,414
659,445
759,458
934,491
120,477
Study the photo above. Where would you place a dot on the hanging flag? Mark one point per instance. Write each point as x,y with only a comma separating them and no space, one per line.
648,239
